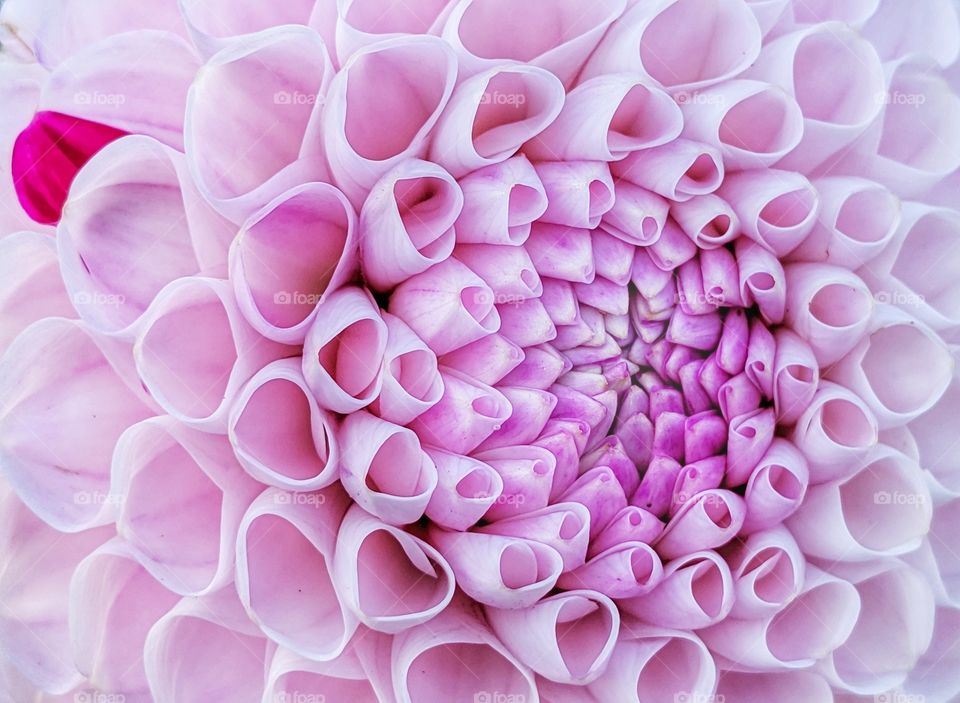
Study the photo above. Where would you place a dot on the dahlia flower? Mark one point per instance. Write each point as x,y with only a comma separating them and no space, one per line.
478,351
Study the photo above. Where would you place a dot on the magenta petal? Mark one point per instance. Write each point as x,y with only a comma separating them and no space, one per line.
623,570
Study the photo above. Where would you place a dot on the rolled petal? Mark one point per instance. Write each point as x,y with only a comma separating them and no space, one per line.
658,40
832,118
182,496
567,638
814,624
31,287
696,591
363,22
913,271
835,433
527,473
563,253
107,643
623,570
285,547
540,368
656,487
707,520
829,307
777,209
116,244
415,76
281,274
212,22
503,572
579,193
465,490
896,34
563,526
631,524
492,114
754,124
466,414
678,171
187,648
707,219
857,220
776,488
58,466
493,359
606,118
389,578
287,63
787,686
448,306
279,433
196,377
499,203
532,409
768,571
508,270
900,369
885,509
411,380
456,656
638,215
796,376
39,562
485,32
290,675
384,468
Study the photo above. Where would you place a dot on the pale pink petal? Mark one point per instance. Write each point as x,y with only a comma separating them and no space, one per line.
563,526
360,23
113,603
622,570
796,376
777,209
281,272
279,433
768,571
829,307
405,81
696,591
195,378
499,203
901,367
406,224
768,12
133,223
206,649
448,306
776,488
678,171
579,193
467,413
58,465
456,657
182,495
883,510
637,216
531,409
707,520
390,579
681,44
560,252
606,118
508,270
494,358
785,686
527,473
653,665
487,31
342,679
411,380
465,490
934,439
266,86
384,468
932,30
343,355
285,546
857,220
568,638
492,114
835,432
212,22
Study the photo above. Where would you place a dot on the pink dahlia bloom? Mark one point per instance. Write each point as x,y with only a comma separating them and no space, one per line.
359,351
